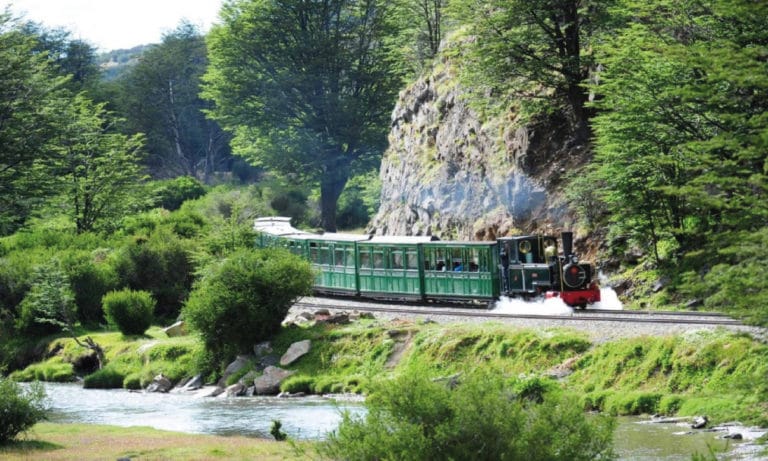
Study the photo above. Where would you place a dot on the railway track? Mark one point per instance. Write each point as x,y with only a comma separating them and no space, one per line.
587,315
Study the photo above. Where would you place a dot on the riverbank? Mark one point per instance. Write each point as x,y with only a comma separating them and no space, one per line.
719,373
51,441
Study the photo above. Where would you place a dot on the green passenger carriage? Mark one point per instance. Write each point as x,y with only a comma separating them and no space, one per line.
461,270
391,267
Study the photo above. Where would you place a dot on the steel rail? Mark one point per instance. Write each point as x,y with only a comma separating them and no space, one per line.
603,315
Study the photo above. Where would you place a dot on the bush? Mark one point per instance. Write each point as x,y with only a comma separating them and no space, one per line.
171,193
160,264
106,378
131,311
244,299
20,409
413,417
91,280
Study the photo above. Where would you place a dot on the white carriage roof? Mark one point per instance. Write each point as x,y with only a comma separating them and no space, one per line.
276,225
403,239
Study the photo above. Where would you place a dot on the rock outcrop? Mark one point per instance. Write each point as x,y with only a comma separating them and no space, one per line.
447,173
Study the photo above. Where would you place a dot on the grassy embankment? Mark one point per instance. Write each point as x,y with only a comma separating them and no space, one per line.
720,374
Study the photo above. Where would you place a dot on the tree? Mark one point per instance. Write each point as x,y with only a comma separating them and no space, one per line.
30,97
306,87
423,23
535,48
98,169
72,58
159,96
50,301
244,299
681,136
483,417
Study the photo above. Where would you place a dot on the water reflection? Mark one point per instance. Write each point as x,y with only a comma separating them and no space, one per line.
304,418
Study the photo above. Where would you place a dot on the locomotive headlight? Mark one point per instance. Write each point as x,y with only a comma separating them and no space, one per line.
575,260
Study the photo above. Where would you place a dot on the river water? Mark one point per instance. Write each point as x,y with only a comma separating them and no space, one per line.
314,417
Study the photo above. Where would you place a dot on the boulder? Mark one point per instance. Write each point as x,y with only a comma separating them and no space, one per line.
177,329
262,348
269,382
342,318
266,361
160,384
240,362
194,383
236,390
295,351
699,422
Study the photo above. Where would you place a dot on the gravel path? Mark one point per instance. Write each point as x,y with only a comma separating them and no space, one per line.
598,331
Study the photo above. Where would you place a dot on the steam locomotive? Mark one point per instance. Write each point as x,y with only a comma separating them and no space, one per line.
428,269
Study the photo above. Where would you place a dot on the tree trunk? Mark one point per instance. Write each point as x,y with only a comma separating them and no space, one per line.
332,184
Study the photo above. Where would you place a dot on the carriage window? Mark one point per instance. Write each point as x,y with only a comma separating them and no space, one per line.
412,260
325,255
378,260
313,253
397,260
365,260
339,257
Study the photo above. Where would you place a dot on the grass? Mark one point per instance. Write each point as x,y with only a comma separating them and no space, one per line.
97,442
720,374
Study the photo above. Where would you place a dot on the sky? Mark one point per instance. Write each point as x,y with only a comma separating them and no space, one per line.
117,24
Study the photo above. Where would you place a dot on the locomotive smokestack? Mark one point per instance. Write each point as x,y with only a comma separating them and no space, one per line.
567,243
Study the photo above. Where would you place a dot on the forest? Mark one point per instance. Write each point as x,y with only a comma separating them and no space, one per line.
284,106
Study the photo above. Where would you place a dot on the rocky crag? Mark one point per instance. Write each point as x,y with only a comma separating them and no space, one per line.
449,173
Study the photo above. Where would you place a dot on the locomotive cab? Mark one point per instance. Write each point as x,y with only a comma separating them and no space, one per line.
525,263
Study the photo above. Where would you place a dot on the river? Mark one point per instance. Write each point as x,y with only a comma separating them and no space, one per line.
314,417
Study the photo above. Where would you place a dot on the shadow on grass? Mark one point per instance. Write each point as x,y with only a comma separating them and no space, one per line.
28,447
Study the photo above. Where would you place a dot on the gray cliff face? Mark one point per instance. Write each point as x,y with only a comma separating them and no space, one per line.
446,174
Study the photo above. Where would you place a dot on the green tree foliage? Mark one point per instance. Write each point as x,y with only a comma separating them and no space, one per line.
30,99
682,130
171,193
21,409
72,58
98,169
535,48
484,417
305,87
424,24
161,264
159,96
130,311
50,301
244,299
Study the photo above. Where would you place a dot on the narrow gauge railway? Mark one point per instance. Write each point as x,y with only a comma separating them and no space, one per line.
596,315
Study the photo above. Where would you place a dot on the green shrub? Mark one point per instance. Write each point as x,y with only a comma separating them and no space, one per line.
160,264
106,378
247,296
46,371
413,417
20,409
298,383
130,311
133,381
91,279
171,193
